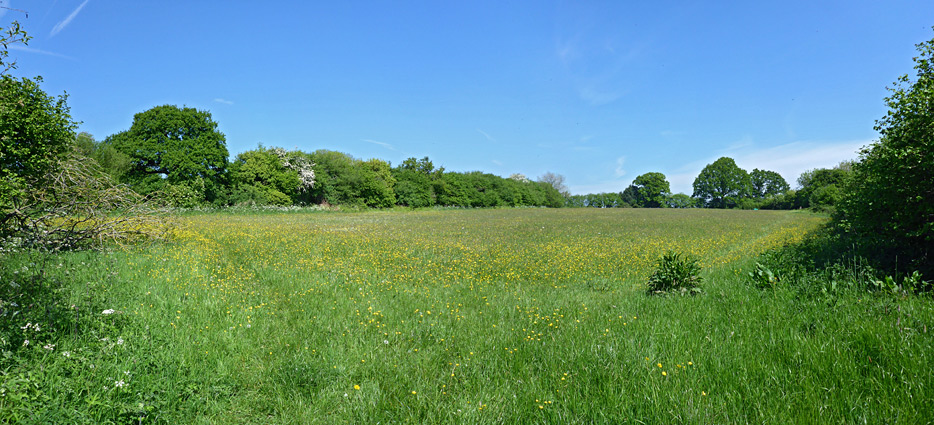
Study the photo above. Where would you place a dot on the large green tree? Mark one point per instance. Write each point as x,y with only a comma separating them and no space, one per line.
890,198
651,190
172,145
765,183
721,184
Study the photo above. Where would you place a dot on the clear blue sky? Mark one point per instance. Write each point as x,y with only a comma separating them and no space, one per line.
599,92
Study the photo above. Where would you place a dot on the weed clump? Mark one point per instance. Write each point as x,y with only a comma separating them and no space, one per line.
675,273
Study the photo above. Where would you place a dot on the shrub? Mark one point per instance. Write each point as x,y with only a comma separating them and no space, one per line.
888,202
674,273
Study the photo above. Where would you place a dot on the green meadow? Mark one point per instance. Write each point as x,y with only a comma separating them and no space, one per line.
453,316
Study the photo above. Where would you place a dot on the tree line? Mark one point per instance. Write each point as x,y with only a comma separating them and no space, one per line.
722,184
178,153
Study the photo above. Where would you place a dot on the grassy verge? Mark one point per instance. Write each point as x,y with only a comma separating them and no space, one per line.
488,316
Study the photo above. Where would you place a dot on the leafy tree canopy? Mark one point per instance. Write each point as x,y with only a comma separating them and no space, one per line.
652,189
261,172
765,183
721,184
35,129
821,188
414,182
680,200
178,145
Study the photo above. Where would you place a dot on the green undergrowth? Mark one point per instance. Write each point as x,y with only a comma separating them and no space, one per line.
187,343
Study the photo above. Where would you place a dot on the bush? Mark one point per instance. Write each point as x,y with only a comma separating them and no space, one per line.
674,273
888,202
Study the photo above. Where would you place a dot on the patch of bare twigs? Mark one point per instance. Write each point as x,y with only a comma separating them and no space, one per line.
78,206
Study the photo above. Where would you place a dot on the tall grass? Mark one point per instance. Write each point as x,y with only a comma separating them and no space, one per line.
487,316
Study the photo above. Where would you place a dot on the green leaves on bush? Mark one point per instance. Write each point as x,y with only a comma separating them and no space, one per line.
763,277
674,273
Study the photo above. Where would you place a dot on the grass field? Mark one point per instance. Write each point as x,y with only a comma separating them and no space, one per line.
465,316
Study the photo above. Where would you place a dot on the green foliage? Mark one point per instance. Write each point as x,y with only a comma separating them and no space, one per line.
675,273
259,177
557,182
12,34
765,183
763,278
821,189
827,263
172,145
414,182
782,201
36,131
597,200
889,202
680,200
184,194
376,183
721,184
629,196
344,180
651,190
553,197
484,190
51,197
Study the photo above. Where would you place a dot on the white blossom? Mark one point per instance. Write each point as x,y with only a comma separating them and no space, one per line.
298,162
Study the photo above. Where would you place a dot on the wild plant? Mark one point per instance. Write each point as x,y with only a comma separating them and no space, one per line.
675,273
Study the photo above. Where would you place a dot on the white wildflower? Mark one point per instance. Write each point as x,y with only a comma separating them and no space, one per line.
66,353
50,347
120,341
119,384
107,312
26,343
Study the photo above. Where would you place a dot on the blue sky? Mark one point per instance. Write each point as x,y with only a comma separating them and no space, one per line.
599,92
